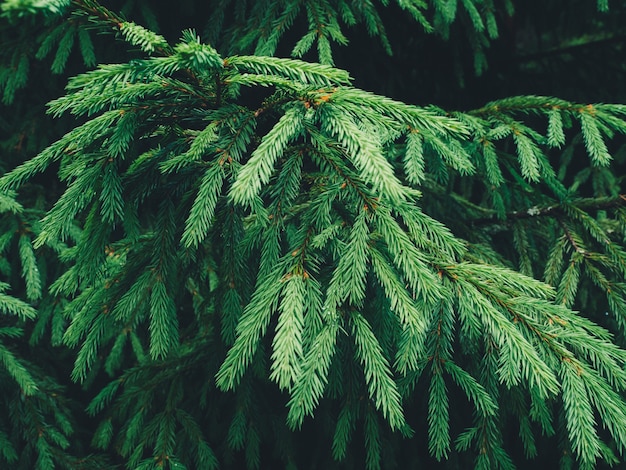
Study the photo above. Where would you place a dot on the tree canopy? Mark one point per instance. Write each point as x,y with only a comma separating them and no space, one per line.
312,234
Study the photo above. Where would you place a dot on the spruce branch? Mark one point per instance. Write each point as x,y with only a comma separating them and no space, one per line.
238,233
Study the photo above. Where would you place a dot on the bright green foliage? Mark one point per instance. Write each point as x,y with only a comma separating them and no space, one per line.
246,259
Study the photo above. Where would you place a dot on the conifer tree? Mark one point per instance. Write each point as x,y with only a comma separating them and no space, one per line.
220,251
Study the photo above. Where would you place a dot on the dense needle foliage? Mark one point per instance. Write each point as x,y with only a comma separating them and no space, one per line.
220,251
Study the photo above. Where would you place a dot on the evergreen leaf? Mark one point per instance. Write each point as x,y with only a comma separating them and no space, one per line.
13,306
381,387
287,343
556,136
163,321
250,329
343,432
201,215
303,72
18,372
579,414
593,139
258,170
147,40
313,378
30,270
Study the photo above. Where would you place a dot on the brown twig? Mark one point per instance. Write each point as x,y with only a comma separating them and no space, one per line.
586,204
